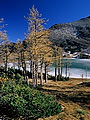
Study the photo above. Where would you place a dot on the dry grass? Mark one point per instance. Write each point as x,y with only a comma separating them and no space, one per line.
73,95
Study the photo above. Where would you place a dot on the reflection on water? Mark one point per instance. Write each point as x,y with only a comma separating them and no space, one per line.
76,69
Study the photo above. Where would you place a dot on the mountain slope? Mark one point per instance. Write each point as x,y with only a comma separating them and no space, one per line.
72,36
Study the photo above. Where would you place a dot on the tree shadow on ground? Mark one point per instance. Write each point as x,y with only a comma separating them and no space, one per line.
83,84
80,97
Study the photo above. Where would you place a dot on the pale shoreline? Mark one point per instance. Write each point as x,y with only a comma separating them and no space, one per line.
73,72
72,76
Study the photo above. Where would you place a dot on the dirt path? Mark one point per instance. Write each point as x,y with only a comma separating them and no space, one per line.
73,95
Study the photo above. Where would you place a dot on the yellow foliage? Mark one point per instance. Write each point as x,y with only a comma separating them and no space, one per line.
39,45
3,79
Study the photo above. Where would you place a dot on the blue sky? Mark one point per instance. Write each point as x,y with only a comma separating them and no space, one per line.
57,11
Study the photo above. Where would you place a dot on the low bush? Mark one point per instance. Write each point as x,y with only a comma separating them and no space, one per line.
81,112
29,74
61,78
20,100
19,79
50,77
14,74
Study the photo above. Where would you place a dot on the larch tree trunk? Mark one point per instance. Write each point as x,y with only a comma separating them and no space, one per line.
59,67
31,68
46,73
41,80
55,73
18,62
36,73
34,80
66,69
6,61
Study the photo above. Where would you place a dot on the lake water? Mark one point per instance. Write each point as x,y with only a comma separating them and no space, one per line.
76,69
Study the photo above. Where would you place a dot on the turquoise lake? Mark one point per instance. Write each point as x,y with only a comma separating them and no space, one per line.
76,68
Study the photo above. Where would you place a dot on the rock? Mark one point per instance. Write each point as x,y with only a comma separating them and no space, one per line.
75,35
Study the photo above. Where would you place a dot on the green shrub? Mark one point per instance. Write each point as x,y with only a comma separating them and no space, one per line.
81,112
3,75
29,74
61,78
19,78
21,100
50,77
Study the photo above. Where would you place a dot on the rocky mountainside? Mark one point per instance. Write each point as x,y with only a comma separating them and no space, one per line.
73,36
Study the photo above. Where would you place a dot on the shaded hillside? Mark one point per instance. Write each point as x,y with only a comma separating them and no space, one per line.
72,36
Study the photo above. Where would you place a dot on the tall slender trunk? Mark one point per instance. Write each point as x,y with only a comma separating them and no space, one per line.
6,61
66,69
31,69
23,65
55,73
18,62
14,63
46,72
36,72
86,73
59,67
41,80
56,63
61,70
25,70
22,59
14,66
34,80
